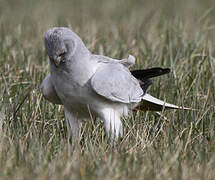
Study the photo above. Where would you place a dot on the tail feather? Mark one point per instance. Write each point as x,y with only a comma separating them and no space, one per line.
150,103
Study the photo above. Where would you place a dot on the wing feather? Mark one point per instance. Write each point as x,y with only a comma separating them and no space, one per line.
48,91
115,82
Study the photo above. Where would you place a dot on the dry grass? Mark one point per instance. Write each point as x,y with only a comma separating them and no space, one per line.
179,35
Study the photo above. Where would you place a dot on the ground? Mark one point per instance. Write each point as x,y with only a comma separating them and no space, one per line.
173,145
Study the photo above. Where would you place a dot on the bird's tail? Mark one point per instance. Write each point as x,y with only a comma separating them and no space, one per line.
150,103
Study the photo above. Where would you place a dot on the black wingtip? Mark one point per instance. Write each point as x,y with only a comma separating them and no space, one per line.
159,71
168,70
150,73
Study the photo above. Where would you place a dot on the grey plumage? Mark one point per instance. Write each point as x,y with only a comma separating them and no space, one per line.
49,92
119,89
90,85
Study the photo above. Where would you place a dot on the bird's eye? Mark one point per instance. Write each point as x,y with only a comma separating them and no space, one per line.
62,54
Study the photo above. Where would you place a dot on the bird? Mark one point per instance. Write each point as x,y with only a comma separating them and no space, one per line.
90,85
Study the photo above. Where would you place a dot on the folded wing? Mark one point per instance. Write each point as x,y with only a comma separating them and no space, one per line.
144,76
115,82
48,91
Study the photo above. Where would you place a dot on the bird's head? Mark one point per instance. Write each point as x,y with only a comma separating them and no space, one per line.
61,44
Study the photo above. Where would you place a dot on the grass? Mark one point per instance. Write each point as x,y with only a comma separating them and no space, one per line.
175,145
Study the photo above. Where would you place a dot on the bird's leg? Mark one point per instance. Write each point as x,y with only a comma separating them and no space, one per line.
73,126
113,124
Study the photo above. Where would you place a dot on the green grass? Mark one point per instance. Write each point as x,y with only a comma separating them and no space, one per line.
175,145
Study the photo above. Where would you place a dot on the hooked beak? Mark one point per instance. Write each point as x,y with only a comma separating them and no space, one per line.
56,61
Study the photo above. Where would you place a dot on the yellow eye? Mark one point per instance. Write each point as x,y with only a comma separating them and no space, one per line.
62,54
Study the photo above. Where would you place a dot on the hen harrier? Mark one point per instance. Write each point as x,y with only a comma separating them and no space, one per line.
95,85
